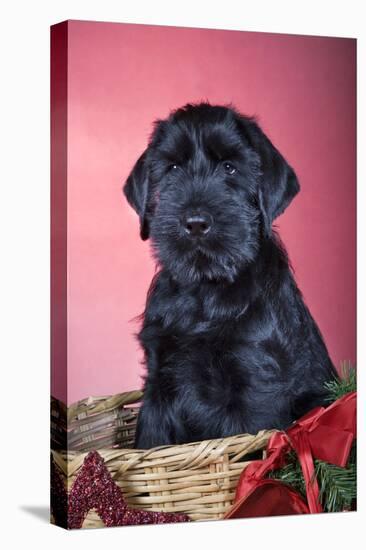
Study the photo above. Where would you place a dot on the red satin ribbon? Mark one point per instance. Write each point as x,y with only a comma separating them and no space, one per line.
271,497
324,433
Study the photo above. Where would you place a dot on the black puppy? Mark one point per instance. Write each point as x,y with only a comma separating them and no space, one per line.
230,345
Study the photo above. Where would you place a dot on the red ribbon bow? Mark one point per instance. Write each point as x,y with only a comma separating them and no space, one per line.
324,433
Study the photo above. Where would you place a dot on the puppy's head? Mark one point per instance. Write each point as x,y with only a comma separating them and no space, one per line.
207,190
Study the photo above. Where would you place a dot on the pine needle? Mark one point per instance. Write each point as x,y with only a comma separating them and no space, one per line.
345,384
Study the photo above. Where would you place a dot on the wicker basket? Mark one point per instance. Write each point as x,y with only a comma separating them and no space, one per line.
95,423
196,478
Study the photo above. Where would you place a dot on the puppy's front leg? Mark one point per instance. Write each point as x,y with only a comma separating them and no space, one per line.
153,426
154,423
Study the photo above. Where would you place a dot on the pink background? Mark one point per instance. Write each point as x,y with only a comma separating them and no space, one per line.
120,78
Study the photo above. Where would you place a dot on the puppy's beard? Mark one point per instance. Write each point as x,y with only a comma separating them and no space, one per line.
201,265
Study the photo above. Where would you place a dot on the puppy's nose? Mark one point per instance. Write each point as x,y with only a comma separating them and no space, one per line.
197,225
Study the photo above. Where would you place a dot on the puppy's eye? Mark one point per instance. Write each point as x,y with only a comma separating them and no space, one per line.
229,168
173,167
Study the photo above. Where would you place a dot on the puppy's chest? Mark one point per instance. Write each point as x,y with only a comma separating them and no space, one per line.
191,334
205,331
204,367
199,345
199,312
197,350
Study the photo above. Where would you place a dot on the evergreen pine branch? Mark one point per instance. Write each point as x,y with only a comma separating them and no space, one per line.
345,384
337,486
291,474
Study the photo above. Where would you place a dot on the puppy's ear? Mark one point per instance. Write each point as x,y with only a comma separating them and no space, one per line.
136,190
278,181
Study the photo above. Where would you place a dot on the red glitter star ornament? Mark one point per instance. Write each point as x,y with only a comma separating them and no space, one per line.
94,488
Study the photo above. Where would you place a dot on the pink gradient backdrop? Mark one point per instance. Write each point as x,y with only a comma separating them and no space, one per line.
121,77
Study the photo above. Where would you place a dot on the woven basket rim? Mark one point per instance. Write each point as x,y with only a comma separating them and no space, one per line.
97,404
192,455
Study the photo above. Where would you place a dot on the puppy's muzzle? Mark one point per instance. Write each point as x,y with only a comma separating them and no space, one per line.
197,225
